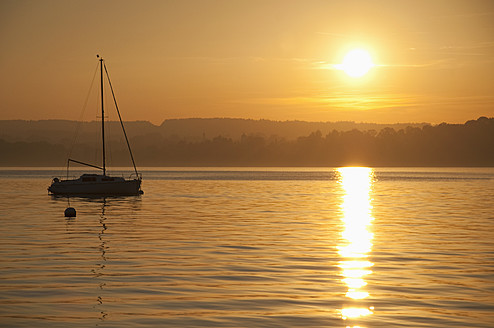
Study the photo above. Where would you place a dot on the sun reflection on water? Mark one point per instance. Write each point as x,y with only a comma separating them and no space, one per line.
356,238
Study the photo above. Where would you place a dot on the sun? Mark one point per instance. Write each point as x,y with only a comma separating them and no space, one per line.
356,63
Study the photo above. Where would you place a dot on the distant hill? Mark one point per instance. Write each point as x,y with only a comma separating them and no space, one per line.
238,142
235,128
64,132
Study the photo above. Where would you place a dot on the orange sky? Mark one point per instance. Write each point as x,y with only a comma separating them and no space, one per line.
250,59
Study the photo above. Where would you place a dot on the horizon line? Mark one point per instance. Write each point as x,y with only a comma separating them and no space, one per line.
245,119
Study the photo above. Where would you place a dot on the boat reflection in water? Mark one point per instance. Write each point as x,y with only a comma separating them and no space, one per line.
356,241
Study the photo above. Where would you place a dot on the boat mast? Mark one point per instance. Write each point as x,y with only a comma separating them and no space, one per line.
102,114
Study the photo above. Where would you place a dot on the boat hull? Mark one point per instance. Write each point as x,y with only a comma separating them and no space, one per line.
77,187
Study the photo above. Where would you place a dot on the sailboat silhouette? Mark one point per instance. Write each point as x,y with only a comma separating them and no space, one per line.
100,184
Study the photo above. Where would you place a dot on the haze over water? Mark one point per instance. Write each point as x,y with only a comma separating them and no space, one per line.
253,247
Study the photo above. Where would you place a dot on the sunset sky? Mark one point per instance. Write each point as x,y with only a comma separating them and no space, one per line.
278,60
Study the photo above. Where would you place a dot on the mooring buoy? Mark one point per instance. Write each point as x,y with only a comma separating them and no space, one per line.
69,212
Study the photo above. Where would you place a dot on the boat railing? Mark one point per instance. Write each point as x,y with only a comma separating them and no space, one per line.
135,175
63,178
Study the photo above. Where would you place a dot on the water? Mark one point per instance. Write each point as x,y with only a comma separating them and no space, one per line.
350,247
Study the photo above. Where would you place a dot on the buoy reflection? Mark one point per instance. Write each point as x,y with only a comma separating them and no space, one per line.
356,238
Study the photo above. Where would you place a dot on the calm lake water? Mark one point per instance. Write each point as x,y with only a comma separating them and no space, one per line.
252,247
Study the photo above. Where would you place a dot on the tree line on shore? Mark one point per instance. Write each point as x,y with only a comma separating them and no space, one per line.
469,144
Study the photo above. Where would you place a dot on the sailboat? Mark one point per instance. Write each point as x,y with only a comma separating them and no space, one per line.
100,184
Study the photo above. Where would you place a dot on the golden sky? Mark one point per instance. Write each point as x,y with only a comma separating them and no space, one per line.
434,60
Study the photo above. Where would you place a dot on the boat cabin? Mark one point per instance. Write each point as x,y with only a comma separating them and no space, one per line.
99,178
